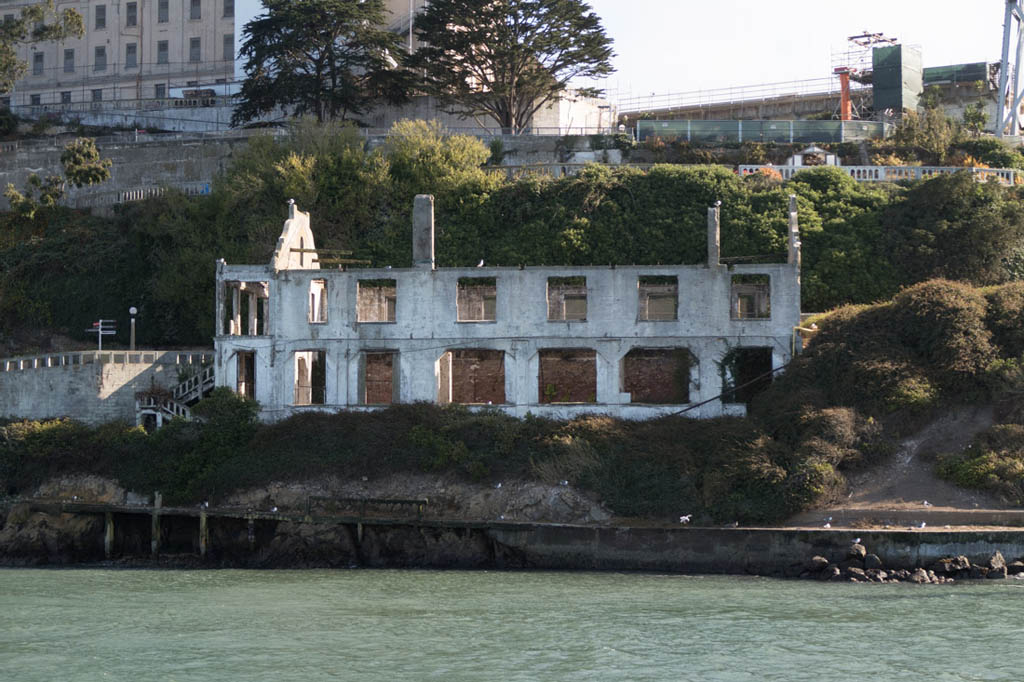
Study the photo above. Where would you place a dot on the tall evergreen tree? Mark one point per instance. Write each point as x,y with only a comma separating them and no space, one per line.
505,59
328,58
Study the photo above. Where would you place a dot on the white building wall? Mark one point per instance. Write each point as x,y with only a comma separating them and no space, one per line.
426,327
117,81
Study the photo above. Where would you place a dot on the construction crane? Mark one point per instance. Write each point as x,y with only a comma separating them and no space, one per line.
855,64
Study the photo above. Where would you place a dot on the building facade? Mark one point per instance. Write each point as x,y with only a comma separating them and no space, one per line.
132,50
633,342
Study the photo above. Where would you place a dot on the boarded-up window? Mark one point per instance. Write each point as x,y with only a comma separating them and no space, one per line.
376,300
567,375
246,385
751,297
310,377
657,375
318,301
472,376
567,299
476,299
746,372
658,297
379,377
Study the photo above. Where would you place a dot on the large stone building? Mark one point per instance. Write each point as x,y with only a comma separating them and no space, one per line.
635,342
132,50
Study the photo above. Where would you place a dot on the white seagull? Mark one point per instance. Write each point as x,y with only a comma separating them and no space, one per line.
481,263
685,519
856,541
827,525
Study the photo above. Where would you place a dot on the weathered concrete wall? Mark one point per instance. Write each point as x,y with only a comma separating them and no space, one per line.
152,162
426,326
91,387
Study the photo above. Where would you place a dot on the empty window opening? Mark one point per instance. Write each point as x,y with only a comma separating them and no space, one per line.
318,301
69,61
246,385
659,376
472,376
37,64
245,308
745,373
476,299
376,300
751,297
567,299
310,377
659,297
379,377
568,375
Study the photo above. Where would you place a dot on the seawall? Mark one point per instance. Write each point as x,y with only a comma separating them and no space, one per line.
40,534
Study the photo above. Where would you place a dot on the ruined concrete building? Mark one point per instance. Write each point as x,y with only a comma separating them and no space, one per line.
634,342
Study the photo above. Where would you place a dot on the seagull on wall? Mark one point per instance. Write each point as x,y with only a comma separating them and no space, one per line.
481,263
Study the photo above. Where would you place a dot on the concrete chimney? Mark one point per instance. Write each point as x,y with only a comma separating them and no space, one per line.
714,236
794,233
423,231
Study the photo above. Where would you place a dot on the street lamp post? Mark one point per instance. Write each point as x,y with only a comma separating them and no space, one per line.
133,311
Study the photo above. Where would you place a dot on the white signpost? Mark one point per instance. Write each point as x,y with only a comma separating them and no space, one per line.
101,329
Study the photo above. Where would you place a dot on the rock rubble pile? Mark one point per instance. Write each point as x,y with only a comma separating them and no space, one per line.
862,566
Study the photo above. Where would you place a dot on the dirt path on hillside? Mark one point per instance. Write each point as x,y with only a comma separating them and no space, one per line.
907,482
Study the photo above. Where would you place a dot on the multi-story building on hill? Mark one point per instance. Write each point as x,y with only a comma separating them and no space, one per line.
131,50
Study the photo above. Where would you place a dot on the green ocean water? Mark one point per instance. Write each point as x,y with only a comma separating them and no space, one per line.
368,625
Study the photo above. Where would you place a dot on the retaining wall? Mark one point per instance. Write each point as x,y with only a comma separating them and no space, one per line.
89,386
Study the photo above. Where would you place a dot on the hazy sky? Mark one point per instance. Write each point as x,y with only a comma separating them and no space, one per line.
667,46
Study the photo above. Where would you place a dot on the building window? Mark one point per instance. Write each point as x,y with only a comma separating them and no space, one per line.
160,90
131,14
318,301
229,8
379,377
567,299
658,297
751,297
162,12
476,299
65,97
747,372
99,62
245,385
37,64
69,61
161,52
196,10
658,376
5,102
97,95
229,47
376,300
472,376
8,18
35,100
567,375
101,17
310,377
193,49
130,56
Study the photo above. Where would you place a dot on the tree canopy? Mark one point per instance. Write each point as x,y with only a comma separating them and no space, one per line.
34,23
328,58
506,59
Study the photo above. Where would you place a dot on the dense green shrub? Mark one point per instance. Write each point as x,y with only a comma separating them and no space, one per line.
994,461
1005,318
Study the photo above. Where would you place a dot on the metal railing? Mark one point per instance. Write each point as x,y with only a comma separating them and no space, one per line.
1004,176
789,131
743,93
81,358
